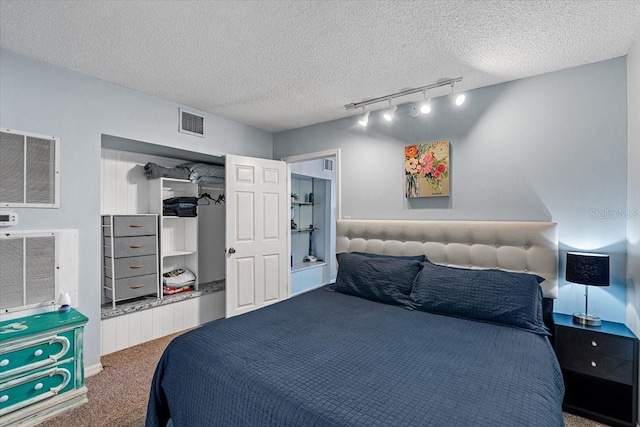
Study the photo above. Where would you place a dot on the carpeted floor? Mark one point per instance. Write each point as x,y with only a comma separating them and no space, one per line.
118,395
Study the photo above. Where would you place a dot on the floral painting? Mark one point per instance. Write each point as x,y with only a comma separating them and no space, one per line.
426,170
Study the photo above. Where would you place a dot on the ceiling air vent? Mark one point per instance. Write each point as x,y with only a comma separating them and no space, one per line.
191,123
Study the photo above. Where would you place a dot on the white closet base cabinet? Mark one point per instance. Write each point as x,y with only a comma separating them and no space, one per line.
307,276
118,333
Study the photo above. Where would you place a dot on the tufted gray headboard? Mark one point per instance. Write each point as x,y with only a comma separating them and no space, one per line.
530,247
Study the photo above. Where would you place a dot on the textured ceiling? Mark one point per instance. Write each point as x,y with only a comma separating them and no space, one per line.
280,65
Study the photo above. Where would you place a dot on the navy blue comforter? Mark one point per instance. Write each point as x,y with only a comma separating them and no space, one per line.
328,359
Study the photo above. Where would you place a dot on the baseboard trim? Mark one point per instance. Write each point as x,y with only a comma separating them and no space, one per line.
92,370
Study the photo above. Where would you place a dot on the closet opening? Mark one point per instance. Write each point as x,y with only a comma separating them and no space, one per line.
313,183
163,239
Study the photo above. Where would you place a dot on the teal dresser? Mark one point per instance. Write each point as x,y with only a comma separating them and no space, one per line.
41,367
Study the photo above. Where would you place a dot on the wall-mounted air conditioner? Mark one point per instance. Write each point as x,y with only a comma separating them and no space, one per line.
35,267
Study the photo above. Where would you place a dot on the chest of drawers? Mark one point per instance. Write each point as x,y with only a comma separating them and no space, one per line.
130,261
599,366
41,367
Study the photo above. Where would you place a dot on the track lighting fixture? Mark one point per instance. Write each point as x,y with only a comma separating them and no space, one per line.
388,115
459,99
415,111
364,120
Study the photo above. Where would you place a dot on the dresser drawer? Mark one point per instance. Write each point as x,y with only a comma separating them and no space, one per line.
130,267
581,341
34,354
608,368
131,225
131,246
35,387
133,287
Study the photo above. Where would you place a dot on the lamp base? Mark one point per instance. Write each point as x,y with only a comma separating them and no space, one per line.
587,319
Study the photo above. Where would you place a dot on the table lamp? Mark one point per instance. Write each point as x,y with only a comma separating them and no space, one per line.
589,270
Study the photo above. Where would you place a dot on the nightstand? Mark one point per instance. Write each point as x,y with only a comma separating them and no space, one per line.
600,369
41,367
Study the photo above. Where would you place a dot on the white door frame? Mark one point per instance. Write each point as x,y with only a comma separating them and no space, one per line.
315,156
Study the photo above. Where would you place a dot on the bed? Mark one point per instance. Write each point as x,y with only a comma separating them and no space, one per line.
333,357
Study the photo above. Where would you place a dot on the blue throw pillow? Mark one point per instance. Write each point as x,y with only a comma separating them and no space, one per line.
494,296
420,258
386,280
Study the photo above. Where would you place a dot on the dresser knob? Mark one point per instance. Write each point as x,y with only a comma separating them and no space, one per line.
38,386
4,363
4,398
594,344
38,353
594,364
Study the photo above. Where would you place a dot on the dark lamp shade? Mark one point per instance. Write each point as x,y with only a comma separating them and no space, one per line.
588,269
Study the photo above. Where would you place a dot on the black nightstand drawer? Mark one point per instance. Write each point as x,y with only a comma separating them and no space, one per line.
578,341
599,366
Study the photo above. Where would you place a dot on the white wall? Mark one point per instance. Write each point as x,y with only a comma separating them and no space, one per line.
38,97
546,148
633,190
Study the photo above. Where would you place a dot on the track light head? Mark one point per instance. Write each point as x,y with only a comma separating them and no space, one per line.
425,107
459,100
364,120
388,115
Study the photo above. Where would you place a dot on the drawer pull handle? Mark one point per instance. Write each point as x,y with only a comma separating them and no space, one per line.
594,344
4,398
136,246
133,267
38,386
136,286
135,226
594,364
4,363
38,352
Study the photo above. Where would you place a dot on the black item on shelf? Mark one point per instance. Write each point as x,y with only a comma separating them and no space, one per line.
180,206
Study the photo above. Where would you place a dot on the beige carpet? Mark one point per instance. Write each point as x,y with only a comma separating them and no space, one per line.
118,395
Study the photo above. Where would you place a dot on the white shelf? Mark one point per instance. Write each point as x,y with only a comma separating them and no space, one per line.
307,265
178,253
178,217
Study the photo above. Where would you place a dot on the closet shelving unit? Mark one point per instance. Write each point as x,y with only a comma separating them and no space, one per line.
305,275
300,206
178,235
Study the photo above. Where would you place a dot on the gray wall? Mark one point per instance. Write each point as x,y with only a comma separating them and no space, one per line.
547,148
633,191
41,98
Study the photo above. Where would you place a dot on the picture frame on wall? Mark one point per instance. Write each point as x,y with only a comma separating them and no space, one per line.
427,170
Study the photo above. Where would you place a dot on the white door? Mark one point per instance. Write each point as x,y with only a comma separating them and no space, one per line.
256,229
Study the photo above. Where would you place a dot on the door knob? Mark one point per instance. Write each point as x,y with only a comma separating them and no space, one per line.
232,251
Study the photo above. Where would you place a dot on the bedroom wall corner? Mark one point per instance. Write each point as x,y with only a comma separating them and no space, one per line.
633,190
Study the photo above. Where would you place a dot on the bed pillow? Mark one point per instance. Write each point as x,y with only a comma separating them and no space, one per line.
420,258
495,296
387,280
